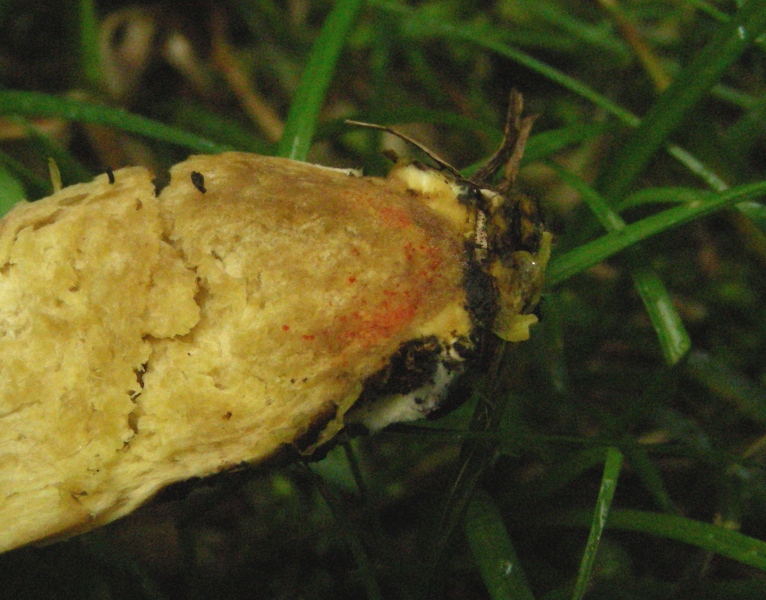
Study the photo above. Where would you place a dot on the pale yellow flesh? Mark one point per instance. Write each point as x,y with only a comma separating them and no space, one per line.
146,341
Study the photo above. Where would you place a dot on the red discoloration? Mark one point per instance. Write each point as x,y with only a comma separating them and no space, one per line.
377,319
381,323
385,320
395,217
376,315
285,328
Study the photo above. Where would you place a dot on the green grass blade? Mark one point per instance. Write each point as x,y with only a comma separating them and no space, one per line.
90,53
712,538
612,468
36,187
672,335
567,470
726,46
718,15
35,104
194,117
606,215
587,255
552,141
397,115
663,195
756,212
309,97
748,396
340,513
72,170
489,40
687,89
743,135
485,37
11,190
475,455
583,32
539,146
650,476
493,551
695,166
737,97
709,10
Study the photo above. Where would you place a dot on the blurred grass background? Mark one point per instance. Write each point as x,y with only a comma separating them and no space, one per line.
617,454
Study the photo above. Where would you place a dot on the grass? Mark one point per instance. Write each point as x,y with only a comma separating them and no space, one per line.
617,454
